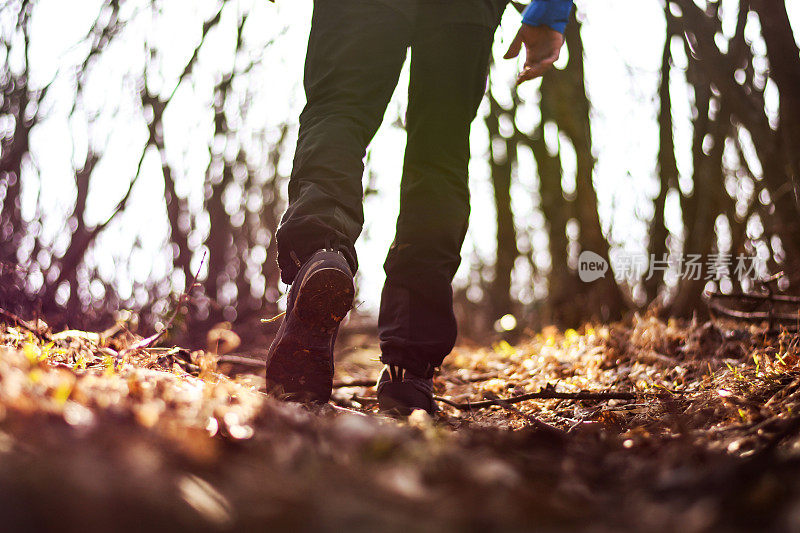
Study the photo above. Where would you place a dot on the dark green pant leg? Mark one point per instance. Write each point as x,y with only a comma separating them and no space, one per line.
449,62
355,53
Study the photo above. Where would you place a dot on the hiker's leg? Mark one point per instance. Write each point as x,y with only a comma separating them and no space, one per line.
355,53
448,78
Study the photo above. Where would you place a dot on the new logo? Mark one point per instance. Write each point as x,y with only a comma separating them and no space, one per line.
591,267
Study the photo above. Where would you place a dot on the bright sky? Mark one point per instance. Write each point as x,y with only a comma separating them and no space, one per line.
623,41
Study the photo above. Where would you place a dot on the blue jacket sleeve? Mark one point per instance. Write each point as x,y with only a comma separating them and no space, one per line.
552,13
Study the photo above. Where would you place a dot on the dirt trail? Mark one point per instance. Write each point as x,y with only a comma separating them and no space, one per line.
161,438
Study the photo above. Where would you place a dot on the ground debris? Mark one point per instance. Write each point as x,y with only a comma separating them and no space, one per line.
703,436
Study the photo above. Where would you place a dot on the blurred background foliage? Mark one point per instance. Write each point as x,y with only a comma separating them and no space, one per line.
729,74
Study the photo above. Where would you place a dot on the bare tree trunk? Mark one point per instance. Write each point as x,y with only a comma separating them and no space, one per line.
667,165
179,218
220,238
565,100
15,96
784,61
506,236
747,106
270,219
701,208
562,306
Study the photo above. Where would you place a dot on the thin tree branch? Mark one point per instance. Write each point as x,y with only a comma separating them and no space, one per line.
239,360
541,395
535,422
152,339
11,317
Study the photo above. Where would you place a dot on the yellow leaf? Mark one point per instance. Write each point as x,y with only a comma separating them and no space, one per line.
504,348
31,352
62,392
46,350
35,375
108,362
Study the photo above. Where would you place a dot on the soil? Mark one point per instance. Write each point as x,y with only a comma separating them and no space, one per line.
98,433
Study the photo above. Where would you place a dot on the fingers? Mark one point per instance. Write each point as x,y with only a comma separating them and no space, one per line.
516,46
542,48
533,70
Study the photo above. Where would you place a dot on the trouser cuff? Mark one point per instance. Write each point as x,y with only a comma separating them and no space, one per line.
414,365
292,256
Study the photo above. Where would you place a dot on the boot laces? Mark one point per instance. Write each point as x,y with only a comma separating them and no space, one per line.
399,374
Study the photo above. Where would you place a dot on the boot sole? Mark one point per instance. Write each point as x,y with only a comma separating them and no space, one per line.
391,401
390,406
300,367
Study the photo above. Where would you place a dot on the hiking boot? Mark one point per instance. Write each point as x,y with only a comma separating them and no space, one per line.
401,392
300,359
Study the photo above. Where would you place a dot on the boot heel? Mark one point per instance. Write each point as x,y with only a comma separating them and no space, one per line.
325,299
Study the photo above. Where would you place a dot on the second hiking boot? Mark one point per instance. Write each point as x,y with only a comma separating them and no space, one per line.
300,359
401,392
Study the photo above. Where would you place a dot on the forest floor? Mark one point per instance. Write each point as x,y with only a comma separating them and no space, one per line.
97,434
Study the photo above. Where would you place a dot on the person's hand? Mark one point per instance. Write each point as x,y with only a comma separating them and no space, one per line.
542,48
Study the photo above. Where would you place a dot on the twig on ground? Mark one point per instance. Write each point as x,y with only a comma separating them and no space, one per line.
783,393
791,426
364,400
535,422
756,297
342,409
584,419
8,315
789,320
274,318
239,360
754,316
541,395
505,402
149,341
340,384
